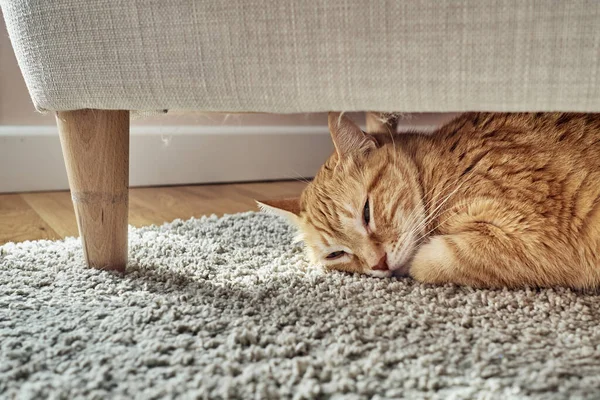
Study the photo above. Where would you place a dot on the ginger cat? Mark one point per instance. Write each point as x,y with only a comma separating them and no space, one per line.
487,200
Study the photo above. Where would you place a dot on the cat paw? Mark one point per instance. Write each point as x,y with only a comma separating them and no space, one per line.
433,262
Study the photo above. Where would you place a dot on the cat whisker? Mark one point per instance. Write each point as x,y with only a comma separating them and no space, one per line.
437,211
441,223
434,214
429,202
298,177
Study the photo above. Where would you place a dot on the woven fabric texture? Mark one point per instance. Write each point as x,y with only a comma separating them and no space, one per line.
311,55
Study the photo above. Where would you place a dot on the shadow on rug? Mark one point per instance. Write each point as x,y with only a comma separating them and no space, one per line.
229,308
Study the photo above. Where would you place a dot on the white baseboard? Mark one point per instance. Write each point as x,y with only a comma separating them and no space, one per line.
31,157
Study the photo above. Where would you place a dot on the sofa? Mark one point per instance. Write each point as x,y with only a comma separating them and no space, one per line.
95,62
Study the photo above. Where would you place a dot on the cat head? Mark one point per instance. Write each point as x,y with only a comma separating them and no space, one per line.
362,211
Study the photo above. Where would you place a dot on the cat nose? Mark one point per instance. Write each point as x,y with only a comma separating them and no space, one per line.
382,264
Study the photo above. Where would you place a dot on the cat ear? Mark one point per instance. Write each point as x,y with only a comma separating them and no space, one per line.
288,208
347,136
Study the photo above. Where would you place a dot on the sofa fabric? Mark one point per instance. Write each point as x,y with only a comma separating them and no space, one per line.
312,55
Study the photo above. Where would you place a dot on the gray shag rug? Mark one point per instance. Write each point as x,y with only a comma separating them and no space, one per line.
229,308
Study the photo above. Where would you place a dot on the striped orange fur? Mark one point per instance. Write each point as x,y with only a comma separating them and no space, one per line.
488,200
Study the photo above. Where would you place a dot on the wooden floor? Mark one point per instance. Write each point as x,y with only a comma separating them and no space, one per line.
49,215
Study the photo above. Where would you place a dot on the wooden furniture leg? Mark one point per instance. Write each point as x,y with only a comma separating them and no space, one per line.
95,145
381,123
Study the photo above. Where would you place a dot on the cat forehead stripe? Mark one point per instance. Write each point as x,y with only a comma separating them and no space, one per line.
377,179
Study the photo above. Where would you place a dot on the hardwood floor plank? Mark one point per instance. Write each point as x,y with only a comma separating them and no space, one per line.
56,209
149,206
19,222
220,199
50,215
265,190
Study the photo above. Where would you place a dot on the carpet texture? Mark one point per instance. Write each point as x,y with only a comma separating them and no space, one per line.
229,308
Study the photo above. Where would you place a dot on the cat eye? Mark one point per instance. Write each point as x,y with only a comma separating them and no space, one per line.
335,255
367,213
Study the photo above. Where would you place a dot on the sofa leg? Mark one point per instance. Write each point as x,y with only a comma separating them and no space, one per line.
380,123
95,145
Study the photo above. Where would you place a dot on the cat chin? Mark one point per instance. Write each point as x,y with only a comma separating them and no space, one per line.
380,274
400,267
402,272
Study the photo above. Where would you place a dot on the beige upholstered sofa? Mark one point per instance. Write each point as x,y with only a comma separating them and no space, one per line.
94,61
